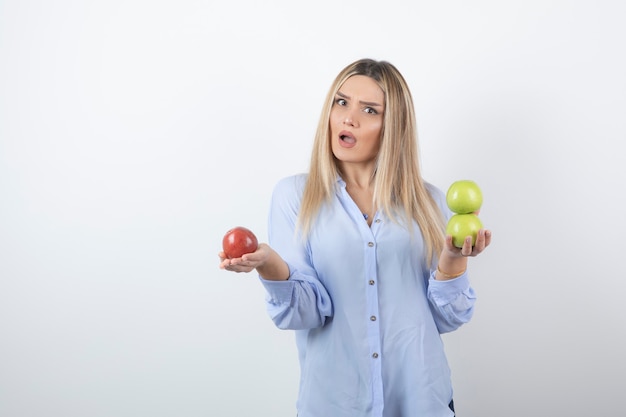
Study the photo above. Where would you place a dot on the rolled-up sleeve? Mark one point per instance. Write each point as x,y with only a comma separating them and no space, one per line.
452,302
297,303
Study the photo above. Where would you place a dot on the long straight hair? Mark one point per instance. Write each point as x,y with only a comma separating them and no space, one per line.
399,188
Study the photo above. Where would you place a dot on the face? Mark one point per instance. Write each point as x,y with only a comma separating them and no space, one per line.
356,120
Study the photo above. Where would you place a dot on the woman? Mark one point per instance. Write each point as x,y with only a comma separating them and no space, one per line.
359,264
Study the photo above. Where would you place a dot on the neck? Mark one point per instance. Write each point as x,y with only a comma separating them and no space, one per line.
361,189
358,177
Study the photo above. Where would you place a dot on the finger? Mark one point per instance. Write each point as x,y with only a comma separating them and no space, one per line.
235,261
487,238
483,240
249,257
231,264
239,268
466,250
449,245
480,242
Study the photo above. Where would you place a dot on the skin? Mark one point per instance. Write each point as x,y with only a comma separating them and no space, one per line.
357,113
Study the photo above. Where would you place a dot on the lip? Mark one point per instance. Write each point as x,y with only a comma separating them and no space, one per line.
351,139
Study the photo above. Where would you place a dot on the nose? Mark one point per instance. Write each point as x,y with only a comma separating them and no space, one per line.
350,120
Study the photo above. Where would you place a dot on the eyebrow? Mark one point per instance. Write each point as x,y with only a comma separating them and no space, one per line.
367,103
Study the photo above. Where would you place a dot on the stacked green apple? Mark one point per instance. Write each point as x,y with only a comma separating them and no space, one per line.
464,198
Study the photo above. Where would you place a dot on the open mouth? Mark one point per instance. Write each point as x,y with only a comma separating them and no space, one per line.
347,138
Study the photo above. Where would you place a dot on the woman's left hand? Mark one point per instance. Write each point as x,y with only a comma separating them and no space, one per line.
483,239
453,260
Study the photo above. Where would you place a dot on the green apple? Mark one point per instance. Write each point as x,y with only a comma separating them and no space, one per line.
464,196
461,226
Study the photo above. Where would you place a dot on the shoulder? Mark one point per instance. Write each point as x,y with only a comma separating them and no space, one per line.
291,184
289,189
433,190
437,195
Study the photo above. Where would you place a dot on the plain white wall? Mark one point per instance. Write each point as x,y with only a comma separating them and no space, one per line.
134,133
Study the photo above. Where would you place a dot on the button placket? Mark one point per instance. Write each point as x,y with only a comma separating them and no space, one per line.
372,312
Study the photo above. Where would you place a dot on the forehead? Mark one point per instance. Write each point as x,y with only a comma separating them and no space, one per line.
363,88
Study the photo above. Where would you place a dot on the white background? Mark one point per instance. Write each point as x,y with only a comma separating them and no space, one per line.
134,133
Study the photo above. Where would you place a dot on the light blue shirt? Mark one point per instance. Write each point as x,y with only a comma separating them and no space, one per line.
366,310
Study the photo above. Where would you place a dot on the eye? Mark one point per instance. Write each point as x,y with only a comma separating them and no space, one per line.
341,101
370,110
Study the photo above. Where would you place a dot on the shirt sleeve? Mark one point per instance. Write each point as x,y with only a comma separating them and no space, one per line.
301,302
452,302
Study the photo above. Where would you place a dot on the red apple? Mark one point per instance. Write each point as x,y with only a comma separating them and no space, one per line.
464,196
461,226
238,241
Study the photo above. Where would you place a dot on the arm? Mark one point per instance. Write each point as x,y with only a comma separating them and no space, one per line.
451,296
449,292
296,299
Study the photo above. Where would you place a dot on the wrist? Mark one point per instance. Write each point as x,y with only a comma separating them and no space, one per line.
274,269
450,267
446,275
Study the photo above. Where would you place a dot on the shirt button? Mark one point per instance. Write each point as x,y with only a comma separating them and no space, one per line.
373,318
371,282
370,244
374,355
377,220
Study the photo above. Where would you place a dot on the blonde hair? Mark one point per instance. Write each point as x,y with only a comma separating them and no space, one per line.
398,185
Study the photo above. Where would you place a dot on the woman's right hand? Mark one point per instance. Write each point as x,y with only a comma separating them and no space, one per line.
265,260
247,262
